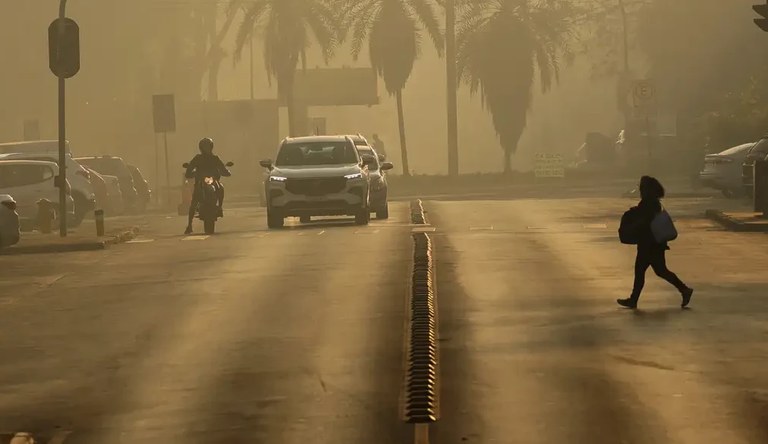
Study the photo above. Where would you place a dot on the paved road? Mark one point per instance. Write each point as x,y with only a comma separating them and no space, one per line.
534,349
296,335
291,336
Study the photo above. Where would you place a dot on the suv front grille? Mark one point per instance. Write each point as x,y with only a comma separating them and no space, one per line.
316,187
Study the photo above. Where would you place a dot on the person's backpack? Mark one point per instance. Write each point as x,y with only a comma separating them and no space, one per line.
663,228
628,229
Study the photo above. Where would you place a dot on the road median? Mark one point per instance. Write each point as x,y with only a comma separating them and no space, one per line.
38,243
747,222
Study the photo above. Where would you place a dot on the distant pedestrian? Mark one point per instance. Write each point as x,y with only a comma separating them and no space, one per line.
378,146
637,229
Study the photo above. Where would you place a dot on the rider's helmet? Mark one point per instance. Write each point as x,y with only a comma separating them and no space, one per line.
206,145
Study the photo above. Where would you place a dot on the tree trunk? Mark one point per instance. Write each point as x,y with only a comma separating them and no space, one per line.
287,88
452,87
507,161
401,126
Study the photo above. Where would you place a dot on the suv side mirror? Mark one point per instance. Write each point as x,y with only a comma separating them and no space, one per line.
185,165
386,166
267,163
229,164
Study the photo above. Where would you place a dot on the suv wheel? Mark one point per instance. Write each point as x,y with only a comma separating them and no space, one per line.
81,205
274,219
363,216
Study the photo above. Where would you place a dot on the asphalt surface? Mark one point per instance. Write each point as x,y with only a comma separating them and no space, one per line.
534,348
296,335
291,336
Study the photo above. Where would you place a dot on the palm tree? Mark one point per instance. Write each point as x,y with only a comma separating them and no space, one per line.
391,28
501,46
287,26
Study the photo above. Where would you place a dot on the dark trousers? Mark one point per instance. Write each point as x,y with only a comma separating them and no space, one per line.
655,258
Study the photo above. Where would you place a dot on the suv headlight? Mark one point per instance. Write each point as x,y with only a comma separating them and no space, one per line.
354,176
277,179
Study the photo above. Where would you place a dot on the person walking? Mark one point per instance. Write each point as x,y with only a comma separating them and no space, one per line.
651,253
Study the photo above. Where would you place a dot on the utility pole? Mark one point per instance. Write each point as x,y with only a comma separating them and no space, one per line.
250,45
64,62
62,140
452,87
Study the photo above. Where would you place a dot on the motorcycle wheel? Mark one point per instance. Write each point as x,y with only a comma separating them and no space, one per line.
209,226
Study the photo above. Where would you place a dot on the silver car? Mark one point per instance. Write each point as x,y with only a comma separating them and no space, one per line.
722,171
317,176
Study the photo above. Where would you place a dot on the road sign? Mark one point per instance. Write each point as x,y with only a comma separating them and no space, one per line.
549,165
64,48
164,113
335,87
762,23
643,92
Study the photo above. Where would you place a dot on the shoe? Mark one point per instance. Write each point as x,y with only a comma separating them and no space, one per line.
627,303
188,230
687,297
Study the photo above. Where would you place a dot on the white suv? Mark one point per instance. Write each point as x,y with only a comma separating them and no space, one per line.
48,150
316,176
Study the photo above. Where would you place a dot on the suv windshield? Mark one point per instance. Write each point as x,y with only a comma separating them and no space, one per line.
317,153
108,166
760,147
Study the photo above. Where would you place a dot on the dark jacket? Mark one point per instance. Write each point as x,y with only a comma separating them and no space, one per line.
206,165
647,211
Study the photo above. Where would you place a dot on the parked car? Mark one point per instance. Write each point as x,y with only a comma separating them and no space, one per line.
361,141
115,195
48,150
142,188
317,176
379,187
29,181
759,151
10,228
115,166
100,190
722,171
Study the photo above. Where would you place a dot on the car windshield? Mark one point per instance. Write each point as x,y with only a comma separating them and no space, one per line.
760,147
370,158
736,149
316,153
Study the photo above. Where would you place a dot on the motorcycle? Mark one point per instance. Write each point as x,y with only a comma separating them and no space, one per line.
208,207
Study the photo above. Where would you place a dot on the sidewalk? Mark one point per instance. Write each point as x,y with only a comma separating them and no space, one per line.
741,221
83,238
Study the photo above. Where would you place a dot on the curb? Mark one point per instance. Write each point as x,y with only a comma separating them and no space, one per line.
95,245
421,403
733,224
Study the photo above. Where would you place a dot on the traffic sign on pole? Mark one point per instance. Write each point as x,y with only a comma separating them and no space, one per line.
64,48
643,93
762,23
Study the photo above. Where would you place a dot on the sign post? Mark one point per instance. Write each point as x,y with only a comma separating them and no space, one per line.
164,115
64,61
644,98
548,166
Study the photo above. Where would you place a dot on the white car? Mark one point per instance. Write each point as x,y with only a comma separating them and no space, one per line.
77,176
317,176
29,181
10,228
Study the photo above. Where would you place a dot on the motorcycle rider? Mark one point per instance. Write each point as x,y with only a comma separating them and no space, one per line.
203,165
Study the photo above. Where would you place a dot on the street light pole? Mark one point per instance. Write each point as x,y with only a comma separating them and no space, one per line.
452,87
62,140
